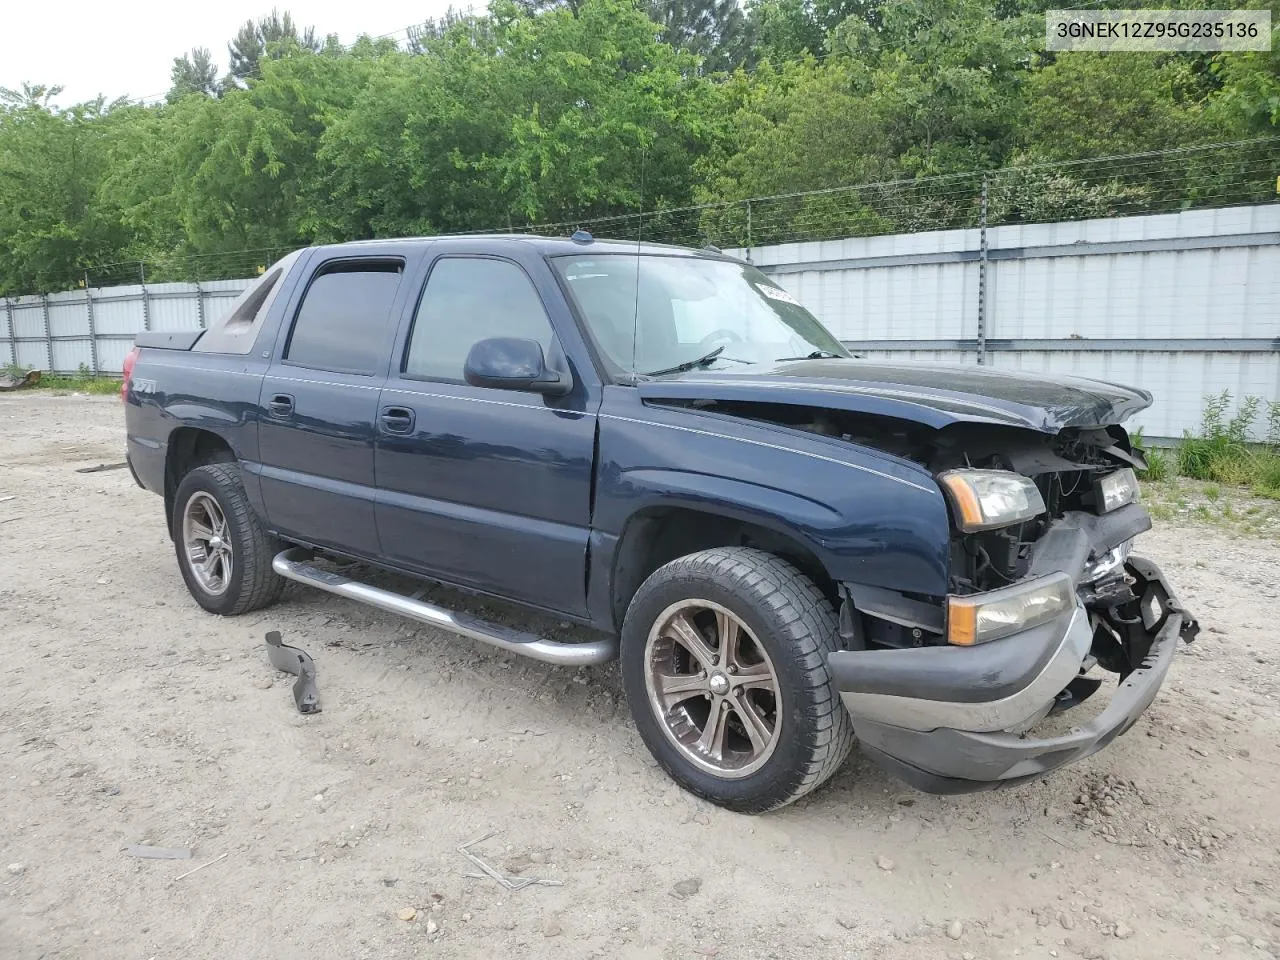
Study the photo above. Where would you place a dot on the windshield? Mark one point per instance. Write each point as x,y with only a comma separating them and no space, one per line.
653,314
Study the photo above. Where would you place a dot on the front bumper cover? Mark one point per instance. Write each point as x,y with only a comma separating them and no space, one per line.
963,761
948,720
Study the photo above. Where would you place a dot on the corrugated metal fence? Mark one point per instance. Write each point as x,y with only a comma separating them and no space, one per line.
1182,304
93,329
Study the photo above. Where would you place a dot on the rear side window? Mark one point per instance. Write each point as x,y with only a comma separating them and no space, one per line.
468,299
345,317
237,330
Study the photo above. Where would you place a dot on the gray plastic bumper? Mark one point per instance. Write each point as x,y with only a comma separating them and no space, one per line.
954,736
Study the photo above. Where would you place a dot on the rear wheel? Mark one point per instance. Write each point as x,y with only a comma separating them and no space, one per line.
223,552
724,665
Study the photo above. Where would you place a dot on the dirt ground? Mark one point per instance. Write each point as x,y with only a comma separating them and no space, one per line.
128,715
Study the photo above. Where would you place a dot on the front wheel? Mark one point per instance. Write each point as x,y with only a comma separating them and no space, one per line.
223,552
724,666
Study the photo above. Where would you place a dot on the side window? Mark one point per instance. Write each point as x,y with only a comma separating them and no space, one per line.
238,328
345,317
468,299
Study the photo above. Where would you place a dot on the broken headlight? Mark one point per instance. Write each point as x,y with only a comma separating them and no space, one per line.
986,499
989,616
1115,490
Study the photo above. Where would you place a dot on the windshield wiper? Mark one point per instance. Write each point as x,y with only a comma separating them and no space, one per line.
816,355
702,361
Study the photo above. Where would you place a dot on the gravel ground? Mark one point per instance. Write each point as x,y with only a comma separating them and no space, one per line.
128,715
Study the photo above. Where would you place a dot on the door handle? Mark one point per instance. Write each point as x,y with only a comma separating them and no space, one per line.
397,419
281,405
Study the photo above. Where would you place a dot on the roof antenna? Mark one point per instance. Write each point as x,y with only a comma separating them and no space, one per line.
635,320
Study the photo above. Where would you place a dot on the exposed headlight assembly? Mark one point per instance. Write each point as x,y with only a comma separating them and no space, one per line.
986,499
1115,490
989,616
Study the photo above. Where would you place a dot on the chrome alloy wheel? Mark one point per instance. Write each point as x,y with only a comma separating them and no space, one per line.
713,688
207,541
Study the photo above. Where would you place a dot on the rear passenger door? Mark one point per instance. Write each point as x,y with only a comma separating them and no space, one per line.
483,487
319,401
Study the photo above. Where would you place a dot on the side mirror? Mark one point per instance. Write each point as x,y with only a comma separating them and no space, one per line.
509,363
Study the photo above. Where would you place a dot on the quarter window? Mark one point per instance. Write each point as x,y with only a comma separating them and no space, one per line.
468,299
345,318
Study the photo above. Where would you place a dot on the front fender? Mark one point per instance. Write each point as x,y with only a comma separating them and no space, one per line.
868,519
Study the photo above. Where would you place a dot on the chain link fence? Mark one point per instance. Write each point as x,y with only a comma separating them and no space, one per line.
1213,175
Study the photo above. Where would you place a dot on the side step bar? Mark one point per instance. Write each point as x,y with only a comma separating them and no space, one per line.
296,565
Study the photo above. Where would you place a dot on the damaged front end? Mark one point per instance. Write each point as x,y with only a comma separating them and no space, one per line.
1045,595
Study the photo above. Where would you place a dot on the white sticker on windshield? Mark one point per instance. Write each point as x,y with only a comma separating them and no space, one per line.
777,293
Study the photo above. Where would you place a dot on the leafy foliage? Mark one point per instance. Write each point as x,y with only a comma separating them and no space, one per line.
269,37
565,110
193,72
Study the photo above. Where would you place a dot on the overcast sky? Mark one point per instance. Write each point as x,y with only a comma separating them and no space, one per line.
126,48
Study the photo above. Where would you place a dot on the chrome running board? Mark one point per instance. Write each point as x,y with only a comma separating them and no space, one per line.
295,565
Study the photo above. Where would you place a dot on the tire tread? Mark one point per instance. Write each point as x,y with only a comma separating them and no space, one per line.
260,585
809,631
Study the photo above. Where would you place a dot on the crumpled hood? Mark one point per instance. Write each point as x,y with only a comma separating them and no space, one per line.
937,395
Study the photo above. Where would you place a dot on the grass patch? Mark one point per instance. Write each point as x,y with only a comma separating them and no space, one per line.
1266,476
80,382
90,384
1159,465
1225,451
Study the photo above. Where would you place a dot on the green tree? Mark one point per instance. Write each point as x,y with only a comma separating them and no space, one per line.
1104,104
1249,98
29,95
246,166
713,30
910,88
268,36
783,30
546,117
193,72
53,223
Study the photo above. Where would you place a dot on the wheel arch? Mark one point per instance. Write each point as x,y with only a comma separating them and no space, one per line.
658,533
188,448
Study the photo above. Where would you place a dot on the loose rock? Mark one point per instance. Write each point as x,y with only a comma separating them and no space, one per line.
884,863
552,929
432,927
17,868
1123,931
407,914
955,929
684,889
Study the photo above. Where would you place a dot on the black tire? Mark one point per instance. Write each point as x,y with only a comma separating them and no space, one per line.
251,583
792,621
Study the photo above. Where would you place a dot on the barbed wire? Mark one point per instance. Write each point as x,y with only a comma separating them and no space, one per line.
1209,175
1221,174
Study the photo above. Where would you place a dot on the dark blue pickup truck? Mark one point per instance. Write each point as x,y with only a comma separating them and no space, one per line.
786,546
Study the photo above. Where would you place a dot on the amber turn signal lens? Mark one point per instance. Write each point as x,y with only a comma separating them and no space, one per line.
987,499
962,624
964,499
